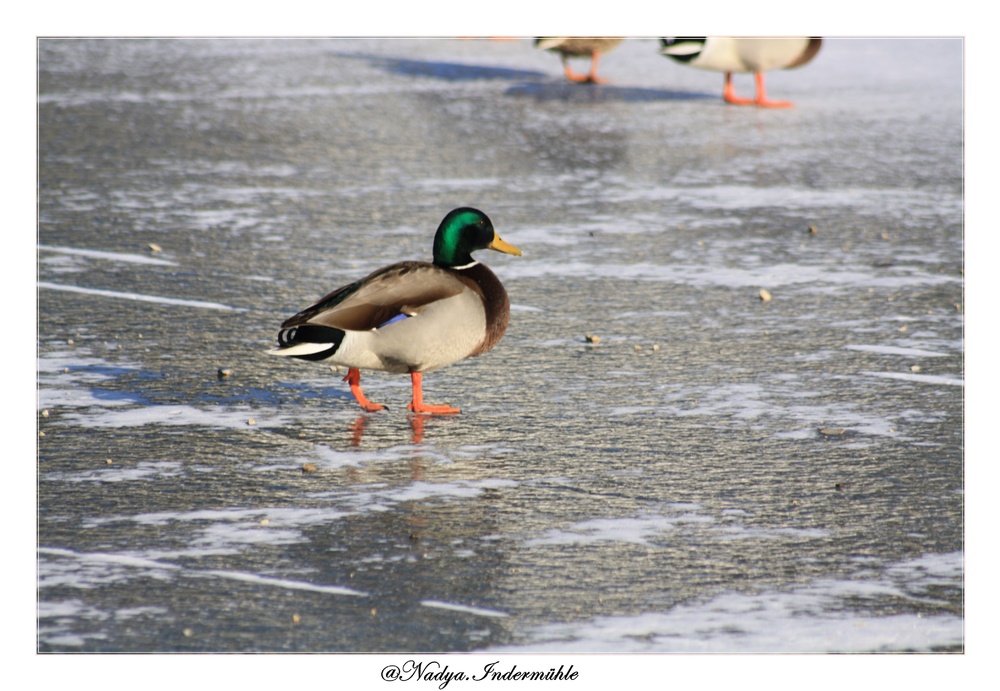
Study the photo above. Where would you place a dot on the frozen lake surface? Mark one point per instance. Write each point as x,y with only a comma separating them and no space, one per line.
718,473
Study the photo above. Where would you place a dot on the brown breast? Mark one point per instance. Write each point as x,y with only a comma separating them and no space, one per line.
495,300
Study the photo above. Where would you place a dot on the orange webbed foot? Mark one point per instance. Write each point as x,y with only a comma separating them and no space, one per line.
729,93
354,379
418,406
764,103
590,78
424,409
735,100
574,77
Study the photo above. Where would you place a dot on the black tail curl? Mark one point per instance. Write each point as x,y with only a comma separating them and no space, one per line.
311,333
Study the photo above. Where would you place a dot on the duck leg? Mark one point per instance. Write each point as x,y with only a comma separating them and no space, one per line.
570,74
591,77
593,70
418,405
354,379
729,94
761,99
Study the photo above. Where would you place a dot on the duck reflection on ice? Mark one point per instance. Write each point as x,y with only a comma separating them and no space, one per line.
357,428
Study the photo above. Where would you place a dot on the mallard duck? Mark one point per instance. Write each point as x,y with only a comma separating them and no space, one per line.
579,48
757,55
411,316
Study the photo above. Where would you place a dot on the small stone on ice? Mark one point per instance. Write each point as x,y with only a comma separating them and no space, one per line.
309,468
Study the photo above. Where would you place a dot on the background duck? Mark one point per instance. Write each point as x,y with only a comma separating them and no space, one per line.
757,55
583,47
410,316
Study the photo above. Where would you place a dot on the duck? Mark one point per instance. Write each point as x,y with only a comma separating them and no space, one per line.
581,47
757,55
411,316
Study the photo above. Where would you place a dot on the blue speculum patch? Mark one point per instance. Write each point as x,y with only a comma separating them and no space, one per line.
398,317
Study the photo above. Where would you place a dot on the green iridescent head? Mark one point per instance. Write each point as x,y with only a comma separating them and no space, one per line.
462,232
